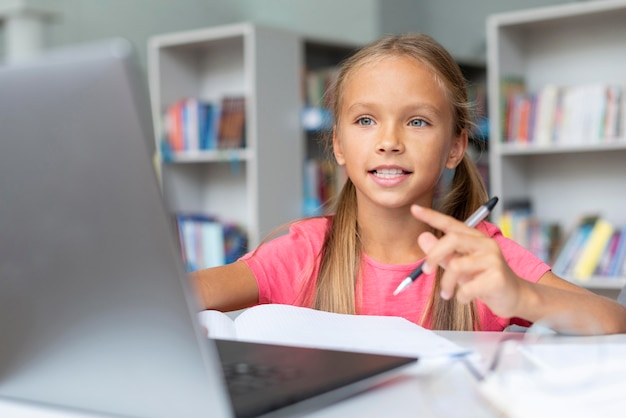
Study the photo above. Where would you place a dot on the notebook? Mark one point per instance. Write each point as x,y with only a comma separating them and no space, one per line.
96,313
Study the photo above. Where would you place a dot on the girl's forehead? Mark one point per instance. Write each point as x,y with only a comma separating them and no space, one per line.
395,69
393,64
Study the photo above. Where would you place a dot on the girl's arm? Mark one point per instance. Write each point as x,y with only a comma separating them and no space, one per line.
475,269
226,288
582,311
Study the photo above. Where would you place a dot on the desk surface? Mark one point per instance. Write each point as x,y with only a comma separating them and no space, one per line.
448,392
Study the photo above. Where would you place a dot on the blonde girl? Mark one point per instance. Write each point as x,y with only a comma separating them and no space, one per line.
402,117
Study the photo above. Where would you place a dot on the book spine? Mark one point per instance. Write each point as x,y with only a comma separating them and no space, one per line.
593,249
620,254
603,268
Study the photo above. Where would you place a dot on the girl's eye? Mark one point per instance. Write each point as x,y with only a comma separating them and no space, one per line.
418,123
365,121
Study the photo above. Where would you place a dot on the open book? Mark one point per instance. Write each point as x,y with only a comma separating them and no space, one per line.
291,325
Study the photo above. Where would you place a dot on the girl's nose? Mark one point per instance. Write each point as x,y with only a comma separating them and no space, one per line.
390,141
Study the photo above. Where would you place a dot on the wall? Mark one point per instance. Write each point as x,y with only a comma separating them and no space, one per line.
354,21
460,25
136,20
461,31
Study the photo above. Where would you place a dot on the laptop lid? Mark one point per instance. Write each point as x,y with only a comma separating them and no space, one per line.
96,312
93,303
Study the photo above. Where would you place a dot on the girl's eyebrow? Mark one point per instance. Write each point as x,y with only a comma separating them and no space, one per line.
419,107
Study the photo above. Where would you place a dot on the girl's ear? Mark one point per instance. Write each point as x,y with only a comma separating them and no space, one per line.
337,150
457,151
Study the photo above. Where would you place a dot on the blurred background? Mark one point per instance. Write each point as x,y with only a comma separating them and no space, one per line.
27,26
236,192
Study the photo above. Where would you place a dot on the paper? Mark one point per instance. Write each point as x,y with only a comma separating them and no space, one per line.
290,325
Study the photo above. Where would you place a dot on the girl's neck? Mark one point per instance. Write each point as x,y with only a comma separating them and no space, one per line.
391,237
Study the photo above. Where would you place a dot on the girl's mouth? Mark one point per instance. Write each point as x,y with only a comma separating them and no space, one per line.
387,173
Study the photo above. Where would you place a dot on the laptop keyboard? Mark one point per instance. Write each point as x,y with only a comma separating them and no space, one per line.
246,377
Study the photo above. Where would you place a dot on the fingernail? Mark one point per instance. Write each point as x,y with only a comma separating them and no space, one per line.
445,295
417,207
426,268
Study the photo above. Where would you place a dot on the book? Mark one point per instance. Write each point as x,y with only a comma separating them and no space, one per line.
608,255
202,241
305,327
620,254
547,102
174,126
612,114
571,246
509,87
231,131
592,250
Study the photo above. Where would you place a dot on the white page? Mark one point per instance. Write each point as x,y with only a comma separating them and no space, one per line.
218,324
290,325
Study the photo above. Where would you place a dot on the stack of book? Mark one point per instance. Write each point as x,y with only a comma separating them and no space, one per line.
191,125
206,242
594,247
567,115
541,238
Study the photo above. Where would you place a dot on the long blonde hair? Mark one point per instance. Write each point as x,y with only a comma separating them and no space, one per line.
336,287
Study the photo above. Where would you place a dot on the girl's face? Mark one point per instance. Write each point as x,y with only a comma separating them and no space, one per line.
395,133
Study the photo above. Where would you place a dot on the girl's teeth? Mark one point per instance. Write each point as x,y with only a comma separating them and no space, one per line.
388,172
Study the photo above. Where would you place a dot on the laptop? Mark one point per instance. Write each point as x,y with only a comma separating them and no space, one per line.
96,312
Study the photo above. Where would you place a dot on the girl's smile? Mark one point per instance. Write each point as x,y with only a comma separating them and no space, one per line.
389,176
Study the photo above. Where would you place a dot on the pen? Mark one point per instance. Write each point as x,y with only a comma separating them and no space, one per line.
474,219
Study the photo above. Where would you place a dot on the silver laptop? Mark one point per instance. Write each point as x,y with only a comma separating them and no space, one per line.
96,313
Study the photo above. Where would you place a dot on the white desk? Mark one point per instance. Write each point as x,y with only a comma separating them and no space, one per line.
450,392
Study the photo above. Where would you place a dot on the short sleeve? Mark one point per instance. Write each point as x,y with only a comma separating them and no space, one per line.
283,265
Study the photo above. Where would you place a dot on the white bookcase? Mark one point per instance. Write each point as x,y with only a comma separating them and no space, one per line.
259,186
568,45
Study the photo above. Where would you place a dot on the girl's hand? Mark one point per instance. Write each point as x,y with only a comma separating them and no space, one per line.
473,263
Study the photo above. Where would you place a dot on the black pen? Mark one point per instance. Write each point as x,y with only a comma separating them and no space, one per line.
474,219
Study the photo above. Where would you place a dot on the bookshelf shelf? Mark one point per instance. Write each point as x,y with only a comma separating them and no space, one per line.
248,186
209,156
570,45
520,149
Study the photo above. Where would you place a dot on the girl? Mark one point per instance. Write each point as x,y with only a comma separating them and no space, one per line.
401,118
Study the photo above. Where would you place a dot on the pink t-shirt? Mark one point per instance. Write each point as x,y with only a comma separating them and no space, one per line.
282,265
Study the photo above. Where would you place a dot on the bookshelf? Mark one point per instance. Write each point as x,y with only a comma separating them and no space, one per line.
568,45
475,72
322,177
259,185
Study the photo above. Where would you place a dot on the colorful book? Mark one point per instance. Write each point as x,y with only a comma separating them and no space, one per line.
202,241
571,246
593,248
